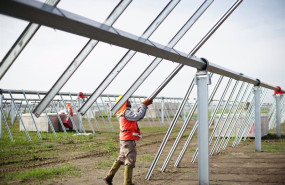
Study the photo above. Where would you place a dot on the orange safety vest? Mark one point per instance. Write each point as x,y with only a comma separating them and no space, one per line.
129,130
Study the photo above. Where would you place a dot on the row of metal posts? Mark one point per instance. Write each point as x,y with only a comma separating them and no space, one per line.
230,123
202,79
13,108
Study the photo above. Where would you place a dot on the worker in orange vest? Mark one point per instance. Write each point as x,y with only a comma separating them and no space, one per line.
129,133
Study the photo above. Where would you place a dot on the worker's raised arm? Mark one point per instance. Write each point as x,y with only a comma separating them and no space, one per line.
136,116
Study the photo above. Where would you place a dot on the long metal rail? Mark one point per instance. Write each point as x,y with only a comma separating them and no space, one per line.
21,43
66,21
157,61
128,56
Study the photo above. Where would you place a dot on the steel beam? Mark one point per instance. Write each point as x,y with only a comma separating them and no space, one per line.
128,56
21,43
66,21
168,133
157,61
79,59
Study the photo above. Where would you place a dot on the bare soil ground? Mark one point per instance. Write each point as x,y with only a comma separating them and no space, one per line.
94,155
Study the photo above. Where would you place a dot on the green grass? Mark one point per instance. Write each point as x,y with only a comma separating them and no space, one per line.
44,173
191,149
273,147
147,158
102,164
111,147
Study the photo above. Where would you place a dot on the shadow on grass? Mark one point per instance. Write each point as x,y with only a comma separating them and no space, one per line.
271,136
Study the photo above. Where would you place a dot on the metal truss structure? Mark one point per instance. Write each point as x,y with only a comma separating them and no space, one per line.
237,109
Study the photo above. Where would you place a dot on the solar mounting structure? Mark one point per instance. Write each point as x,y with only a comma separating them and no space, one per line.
239,87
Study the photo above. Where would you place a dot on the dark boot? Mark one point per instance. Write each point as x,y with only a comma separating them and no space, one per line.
128,175
109,178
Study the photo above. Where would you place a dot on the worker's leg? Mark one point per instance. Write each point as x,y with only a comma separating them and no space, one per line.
128,175
130,162
119,161
109,178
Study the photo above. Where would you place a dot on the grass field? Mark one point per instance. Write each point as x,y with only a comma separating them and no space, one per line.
85,159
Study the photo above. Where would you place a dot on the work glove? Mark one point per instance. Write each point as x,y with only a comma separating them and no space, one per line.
147,102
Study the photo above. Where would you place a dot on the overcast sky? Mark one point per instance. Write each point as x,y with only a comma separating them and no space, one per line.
251,41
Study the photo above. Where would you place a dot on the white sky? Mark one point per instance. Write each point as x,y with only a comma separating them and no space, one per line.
250,41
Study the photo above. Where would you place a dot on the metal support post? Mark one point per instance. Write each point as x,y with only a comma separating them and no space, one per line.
21,121
202,82
6,123
210,123
278,119
1,127
106,111
282,110
251,122
162,111
185,124
94,116
157,112
110,105
12,112
257,123
56,108
81,127
88,118
31,112
103,119
49,121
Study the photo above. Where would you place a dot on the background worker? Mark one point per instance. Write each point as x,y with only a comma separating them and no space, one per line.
129,132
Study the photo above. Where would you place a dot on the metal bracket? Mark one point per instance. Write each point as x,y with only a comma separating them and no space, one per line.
203,72
258,82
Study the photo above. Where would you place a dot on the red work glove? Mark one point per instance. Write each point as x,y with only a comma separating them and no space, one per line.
147,102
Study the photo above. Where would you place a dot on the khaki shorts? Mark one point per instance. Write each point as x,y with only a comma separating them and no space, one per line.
128,153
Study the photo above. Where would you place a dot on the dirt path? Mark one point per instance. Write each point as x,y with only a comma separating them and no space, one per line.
240,165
